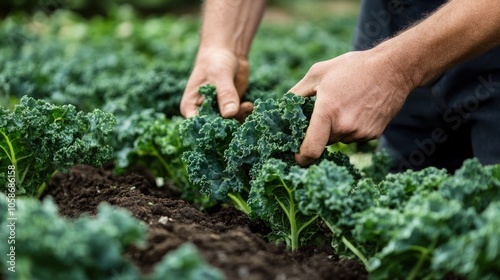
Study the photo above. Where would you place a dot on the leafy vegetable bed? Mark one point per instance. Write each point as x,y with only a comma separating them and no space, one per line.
225,237
126,83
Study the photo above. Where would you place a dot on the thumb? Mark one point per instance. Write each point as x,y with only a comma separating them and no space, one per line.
227,96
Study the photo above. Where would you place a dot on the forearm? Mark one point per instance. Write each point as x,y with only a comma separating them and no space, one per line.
460,30
231,24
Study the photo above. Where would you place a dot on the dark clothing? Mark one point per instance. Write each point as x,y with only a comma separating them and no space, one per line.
456,116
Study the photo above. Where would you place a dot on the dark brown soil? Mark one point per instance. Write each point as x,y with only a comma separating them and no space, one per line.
226,238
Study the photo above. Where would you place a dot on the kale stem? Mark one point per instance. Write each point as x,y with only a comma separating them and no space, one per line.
349,245
355,250
43,186
12,156
240,203
423,257
292,217
306,224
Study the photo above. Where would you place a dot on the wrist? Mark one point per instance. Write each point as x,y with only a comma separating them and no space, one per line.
231,24
400,69
222,53
208,49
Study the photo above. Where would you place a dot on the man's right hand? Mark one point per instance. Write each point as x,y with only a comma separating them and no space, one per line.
228,73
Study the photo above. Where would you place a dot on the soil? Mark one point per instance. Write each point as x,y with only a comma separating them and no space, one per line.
225,237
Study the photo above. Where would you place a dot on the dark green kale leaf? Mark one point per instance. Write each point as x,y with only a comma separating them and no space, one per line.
154,142
398,188
206,136
275,129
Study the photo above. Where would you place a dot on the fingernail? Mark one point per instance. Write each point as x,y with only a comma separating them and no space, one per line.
229,109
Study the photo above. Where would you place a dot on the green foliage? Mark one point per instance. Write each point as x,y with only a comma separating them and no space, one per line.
473,185
273,198
427,222
474,254
330,191
420,224
398,188
250,163
39,138
155,143
206,137
274,129
48,246
412,225
381,165
184,263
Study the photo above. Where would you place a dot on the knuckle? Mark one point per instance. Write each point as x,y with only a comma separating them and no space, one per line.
316,68
343,128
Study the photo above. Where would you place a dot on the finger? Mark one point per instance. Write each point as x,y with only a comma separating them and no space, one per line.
316,139
191,100
189,110
305,87
227,95
245,110
308,86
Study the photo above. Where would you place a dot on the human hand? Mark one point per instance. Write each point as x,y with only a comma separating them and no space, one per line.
357,94
228,73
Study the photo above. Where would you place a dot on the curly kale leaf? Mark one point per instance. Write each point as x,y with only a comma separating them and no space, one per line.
39,138
473,185
424,218
398,188
152,140
185,263
381,165
206,137
273,199
275,128
425,224
330,191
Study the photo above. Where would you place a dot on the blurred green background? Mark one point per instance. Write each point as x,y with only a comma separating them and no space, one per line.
89,8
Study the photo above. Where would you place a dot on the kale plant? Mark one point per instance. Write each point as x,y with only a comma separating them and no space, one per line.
38,139
47,246
153,141
206,137
250,163
273,199
332,192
